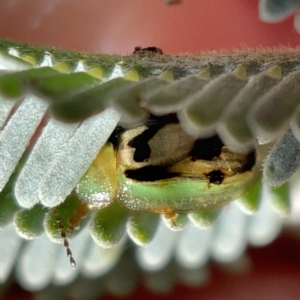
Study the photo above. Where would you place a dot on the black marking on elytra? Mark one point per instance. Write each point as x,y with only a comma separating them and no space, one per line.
150,173
114,137
215,177
206,149
251,160
140,50
140,142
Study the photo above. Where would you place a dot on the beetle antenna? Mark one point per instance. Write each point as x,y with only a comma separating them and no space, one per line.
64,237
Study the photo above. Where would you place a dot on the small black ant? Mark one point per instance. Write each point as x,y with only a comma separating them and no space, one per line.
171,1
140,50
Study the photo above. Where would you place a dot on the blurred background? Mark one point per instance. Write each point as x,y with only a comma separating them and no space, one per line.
116,26
190,27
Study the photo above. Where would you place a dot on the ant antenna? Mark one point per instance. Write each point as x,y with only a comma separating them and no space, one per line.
64,236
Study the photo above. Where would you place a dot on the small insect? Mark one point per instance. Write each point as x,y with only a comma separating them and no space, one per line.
171,1
158,168
140,50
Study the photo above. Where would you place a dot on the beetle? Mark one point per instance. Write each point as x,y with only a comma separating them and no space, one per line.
156,167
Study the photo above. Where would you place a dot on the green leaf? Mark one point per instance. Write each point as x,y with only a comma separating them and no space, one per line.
281,200
79,106
60,85
142,227
250,201
205,218
29,222
108,225
15,85
8,208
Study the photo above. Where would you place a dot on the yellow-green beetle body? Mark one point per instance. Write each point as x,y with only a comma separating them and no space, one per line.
157,167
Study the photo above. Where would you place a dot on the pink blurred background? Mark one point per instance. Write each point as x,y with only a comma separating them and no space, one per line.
116,26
